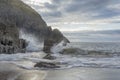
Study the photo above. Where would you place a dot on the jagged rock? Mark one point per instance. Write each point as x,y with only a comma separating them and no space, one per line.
54,37
49,56
46,65
29,21
22,45
88,53
9,39
23,16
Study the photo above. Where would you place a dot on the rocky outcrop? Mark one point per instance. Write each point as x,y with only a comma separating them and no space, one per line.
23,16
29,21
10,41
46,65
53,38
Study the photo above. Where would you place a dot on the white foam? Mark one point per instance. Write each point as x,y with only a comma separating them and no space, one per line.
28,60
33,43
108,62
57,48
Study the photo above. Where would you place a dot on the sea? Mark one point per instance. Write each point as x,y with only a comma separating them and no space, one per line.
100,41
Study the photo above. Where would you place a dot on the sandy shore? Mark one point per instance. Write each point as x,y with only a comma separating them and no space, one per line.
10,71
84,74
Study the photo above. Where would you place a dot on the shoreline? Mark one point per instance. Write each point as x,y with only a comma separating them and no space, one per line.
82,73
10,71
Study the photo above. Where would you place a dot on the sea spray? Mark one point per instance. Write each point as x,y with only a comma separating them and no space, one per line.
33,43
57,48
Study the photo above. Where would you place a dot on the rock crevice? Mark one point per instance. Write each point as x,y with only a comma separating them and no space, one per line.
10,41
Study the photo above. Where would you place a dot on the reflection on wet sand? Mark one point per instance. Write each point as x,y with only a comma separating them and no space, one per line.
84,74
12,72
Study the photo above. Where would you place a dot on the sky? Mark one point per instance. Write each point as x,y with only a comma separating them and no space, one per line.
76,15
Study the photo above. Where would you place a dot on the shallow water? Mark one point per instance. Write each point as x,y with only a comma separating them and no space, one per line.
28,60
97,46
94,42
84,74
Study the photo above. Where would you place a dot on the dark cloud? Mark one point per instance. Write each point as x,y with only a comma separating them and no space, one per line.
106,13
53,11
52,14
91,9
51,6
85,5
99,7
57,1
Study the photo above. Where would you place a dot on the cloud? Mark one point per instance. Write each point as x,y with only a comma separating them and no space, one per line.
78,11
94,9
52,14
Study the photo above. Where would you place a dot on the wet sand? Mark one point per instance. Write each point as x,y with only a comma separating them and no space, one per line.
84,74
10,71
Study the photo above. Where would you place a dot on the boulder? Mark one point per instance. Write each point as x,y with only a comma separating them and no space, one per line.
46,65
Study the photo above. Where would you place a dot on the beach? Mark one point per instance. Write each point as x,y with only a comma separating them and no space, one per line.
84,74
9,71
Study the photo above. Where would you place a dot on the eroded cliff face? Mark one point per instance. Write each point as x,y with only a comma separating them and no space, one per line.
10,41
23,16
17,13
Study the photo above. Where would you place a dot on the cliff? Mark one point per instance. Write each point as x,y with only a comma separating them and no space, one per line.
25,18
10,41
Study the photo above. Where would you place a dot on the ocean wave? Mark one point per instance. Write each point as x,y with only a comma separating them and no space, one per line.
28,60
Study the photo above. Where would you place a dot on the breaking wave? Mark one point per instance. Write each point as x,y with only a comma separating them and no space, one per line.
68,60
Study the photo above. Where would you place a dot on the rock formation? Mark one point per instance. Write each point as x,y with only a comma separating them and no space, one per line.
23,16
53,38
29,21
9,40
46,65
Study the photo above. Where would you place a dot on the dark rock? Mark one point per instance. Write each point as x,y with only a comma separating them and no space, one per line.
9,39
23,16
54,37
48,56
30,22
46,65
22,45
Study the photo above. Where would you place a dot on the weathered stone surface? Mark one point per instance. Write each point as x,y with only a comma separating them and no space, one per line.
9,39
46,65
23,16
29,21
54,37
